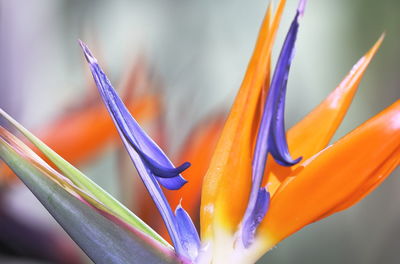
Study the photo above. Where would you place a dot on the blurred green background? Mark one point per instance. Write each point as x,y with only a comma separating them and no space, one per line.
200,50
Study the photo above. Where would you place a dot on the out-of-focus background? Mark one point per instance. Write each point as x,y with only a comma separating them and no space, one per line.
199,51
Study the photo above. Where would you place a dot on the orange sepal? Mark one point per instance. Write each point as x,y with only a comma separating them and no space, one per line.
314,132
336,177
229,175
371,184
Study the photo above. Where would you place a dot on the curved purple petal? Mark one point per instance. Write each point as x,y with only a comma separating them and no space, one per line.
142,151
158,197
158,162
278,146
172,184
161,171
271,136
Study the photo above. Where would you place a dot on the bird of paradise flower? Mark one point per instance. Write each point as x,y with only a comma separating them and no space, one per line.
254,193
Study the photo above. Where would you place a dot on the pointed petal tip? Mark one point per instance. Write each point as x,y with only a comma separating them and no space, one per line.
184,166
301,7
382,37
161,170
376,46
179,206
288,161
86,51
370,53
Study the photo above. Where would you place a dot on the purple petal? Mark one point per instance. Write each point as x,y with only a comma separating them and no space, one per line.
148,150
189,236
145,154
271,136
146,147
257,215
158,197
301,7
161,171
174,183
277,144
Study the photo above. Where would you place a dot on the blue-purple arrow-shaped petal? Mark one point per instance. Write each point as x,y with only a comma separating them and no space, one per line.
271,136
152,164
150,153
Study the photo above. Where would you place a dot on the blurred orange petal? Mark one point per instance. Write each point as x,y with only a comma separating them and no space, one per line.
80,135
